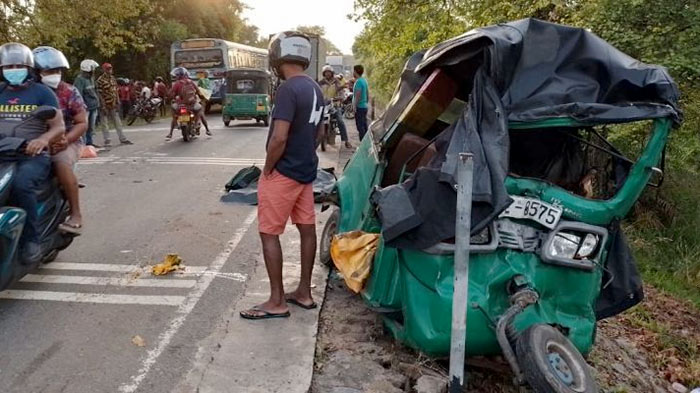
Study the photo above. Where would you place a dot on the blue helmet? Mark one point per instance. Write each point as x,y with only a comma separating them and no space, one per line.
48,58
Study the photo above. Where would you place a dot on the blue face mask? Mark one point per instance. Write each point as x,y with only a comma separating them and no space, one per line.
15,76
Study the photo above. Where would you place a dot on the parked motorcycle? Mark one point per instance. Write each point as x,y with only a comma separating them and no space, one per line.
53,210
348,107
147,109
188,123
330,125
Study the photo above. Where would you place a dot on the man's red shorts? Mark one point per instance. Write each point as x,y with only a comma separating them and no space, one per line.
279,198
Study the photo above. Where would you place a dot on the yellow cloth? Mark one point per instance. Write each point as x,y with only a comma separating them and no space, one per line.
352,254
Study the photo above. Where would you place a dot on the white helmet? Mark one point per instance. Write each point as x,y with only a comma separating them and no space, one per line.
88,65
325,68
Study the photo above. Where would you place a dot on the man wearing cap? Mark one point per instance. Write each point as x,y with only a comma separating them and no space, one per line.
20,96
285,187
109,105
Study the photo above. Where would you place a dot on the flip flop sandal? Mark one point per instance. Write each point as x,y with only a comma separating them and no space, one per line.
302,305
168,137
265,314
75,229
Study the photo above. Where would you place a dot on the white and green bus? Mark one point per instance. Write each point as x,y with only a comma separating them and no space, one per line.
216,56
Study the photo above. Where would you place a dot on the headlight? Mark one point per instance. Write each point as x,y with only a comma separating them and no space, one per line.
565,245
574,244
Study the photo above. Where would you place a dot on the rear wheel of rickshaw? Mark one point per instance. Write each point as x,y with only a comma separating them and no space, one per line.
551,364
329,230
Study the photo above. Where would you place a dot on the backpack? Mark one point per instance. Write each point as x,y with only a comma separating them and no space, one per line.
244,178
188,93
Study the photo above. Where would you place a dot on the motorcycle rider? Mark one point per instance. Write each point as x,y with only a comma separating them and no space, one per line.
85,83
19,97
51,65
332,89
181,87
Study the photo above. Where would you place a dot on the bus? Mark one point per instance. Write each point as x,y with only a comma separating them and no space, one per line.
216,56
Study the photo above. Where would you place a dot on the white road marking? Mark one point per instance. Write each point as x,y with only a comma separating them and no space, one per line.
125,282
111,267
174,161
187,306
153,300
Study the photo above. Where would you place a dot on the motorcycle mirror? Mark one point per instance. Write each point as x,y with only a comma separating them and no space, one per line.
44,113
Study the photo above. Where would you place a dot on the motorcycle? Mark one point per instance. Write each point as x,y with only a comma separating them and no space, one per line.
188,123
144,108
330,124
53,210
348,107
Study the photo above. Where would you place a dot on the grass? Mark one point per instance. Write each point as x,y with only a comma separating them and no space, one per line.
664,235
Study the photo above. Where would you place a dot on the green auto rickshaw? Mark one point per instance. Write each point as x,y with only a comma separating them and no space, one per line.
535,104
247,97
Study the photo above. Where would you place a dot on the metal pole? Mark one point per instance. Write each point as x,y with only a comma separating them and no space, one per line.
465,171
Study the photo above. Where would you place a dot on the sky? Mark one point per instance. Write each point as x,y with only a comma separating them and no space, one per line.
273,16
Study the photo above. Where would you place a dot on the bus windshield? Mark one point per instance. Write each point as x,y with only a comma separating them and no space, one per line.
199,58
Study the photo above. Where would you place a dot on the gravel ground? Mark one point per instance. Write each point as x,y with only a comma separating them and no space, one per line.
632,354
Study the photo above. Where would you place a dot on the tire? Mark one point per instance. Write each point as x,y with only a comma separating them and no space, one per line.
349,112
149,117
185,133
131,118
266,121
329,230
550,362
50,257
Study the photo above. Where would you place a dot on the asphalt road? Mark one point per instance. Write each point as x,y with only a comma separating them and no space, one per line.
69,327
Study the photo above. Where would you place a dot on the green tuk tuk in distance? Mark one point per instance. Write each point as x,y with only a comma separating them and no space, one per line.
247,96
534,102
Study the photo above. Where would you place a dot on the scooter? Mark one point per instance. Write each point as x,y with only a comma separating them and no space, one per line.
188,123
52,211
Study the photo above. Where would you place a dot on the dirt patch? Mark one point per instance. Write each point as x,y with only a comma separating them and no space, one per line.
644,350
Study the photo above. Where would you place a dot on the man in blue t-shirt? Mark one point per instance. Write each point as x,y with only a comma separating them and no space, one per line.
19,97
285,186
360,99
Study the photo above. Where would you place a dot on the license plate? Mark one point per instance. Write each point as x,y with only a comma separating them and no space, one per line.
183,118
533,209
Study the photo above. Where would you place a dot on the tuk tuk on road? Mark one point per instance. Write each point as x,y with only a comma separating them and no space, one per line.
247,97
534,103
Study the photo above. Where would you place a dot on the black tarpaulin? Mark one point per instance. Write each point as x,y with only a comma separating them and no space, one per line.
523,71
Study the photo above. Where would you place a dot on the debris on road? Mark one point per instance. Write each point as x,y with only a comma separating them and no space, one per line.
171,263
138,341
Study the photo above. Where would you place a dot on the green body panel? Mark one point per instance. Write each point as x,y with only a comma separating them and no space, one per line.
419,285
246,105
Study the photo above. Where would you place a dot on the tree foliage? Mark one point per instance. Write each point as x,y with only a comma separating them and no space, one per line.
135,35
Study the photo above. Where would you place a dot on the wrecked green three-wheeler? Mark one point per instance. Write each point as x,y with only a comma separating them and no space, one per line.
534,102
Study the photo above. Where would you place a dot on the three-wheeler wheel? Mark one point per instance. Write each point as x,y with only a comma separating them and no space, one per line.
551,364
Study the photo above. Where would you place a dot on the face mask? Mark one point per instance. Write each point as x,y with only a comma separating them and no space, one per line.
52,80
15,76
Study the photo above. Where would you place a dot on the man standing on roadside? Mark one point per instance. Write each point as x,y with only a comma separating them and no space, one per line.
109,105
285,186
360,99
85,83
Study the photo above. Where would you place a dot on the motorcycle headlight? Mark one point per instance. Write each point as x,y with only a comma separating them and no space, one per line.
574,244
